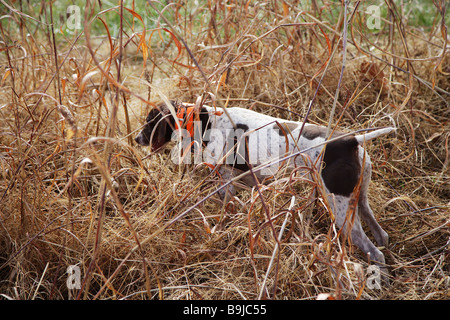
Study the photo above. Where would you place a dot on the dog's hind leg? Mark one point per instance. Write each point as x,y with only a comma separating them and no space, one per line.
358,236
381,237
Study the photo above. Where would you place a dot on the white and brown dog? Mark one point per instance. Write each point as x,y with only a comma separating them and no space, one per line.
241,140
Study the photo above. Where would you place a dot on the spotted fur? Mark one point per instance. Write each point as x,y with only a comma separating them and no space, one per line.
264,139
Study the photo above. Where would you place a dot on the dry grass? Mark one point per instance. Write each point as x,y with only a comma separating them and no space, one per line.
76,190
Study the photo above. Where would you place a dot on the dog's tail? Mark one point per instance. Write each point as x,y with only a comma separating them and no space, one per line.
374,134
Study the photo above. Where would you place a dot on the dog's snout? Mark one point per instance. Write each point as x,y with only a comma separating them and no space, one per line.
138,139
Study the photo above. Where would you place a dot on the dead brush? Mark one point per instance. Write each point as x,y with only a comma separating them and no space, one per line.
76,191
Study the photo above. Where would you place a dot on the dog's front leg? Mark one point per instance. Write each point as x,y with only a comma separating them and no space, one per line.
227,192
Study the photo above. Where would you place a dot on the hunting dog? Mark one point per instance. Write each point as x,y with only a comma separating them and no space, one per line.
238,140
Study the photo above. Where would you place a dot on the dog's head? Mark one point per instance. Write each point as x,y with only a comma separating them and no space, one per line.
160,124
157,130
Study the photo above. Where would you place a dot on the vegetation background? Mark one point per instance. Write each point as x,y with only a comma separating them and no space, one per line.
77,79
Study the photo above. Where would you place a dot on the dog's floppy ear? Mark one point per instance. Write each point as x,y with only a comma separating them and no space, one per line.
157,130
163,131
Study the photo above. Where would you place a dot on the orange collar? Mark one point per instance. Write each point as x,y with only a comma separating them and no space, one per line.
185,117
